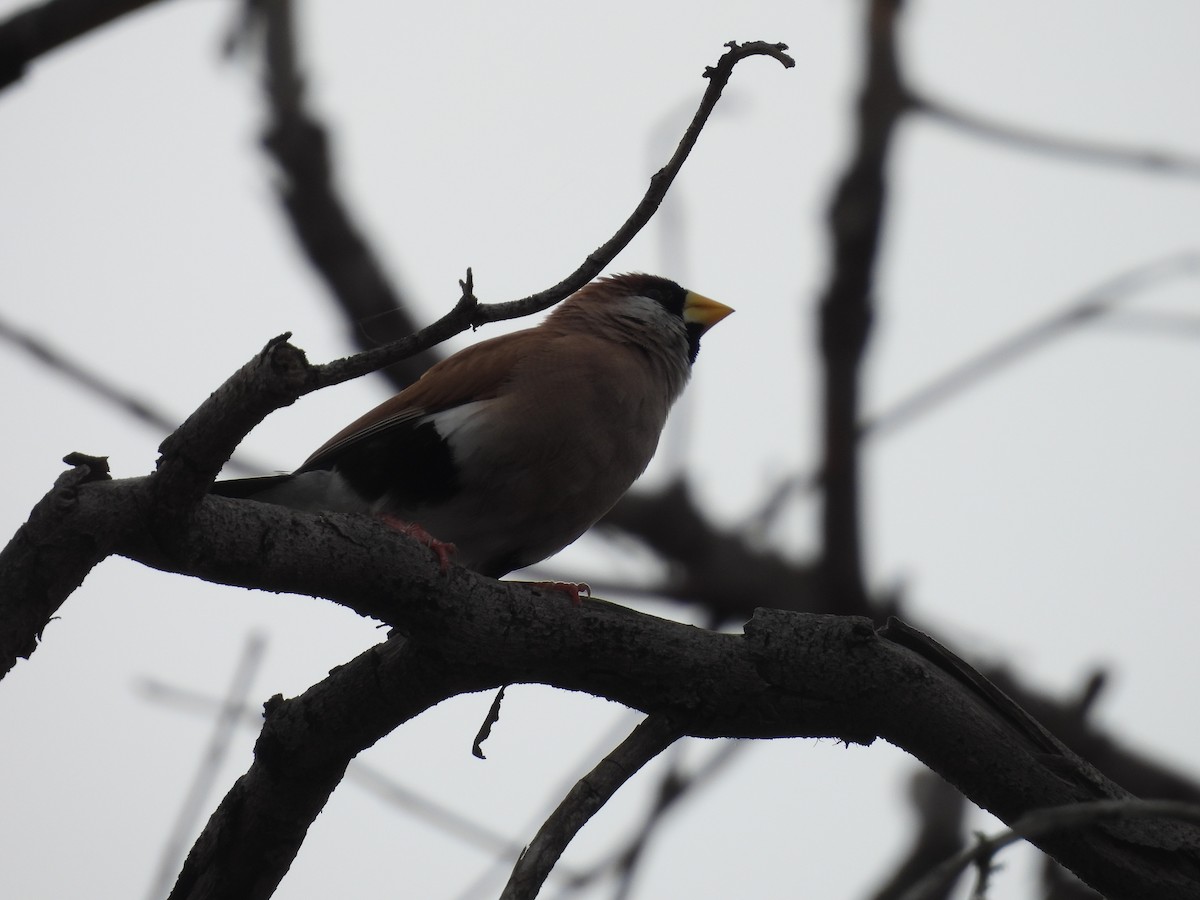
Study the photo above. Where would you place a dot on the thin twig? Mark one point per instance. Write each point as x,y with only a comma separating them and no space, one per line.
218,747
937,833
60,362
373,780
651,737
1091,307
1094,303
481,886
718,76
46,26
1043,822
1149,160
126,401
673,786
471,315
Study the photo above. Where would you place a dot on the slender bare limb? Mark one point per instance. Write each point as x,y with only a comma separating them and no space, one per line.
1096,302
45,26
1074,149
673,786
718,76
126,401
572,879
653,735
479,314
937,833
229,714
1039,823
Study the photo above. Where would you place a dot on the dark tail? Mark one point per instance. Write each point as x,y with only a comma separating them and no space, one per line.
243,488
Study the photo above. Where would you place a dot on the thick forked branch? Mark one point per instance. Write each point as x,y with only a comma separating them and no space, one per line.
788,675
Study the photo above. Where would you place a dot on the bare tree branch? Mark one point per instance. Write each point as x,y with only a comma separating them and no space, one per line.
715,569
375,781
1038,824
673,786
1077,150
649,739
940,811
140,410
1096,302
42,565
319,215
229,714
192,456
300,757
143,411
709,564
718,76
475,314
788,675
855,223
42,28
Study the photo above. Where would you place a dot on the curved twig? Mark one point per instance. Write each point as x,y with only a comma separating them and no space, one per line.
1040,823
475,314
718,76
45,26
653,735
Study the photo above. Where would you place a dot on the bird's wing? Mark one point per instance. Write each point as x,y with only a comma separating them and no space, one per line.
478,372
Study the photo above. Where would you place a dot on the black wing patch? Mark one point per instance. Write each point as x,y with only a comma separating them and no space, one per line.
406,461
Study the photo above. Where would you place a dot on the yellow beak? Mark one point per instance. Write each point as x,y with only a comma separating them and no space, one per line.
702,311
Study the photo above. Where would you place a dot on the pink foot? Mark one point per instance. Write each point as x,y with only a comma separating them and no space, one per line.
570,588
443,549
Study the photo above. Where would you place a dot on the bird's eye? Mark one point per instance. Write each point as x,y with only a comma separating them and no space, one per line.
669,296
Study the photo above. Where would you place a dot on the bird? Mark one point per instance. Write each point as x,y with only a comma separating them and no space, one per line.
510,449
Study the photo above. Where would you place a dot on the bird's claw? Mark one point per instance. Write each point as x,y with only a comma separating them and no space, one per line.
443,549
572,589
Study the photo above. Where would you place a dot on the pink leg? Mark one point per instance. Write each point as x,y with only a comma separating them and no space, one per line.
443,549
570,588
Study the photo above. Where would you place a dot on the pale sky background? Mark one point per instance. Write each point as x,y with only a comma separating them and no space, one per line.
1048,517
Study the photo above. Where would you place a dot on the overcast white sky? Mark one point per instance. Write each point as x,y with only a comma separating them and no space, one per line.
1048,517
